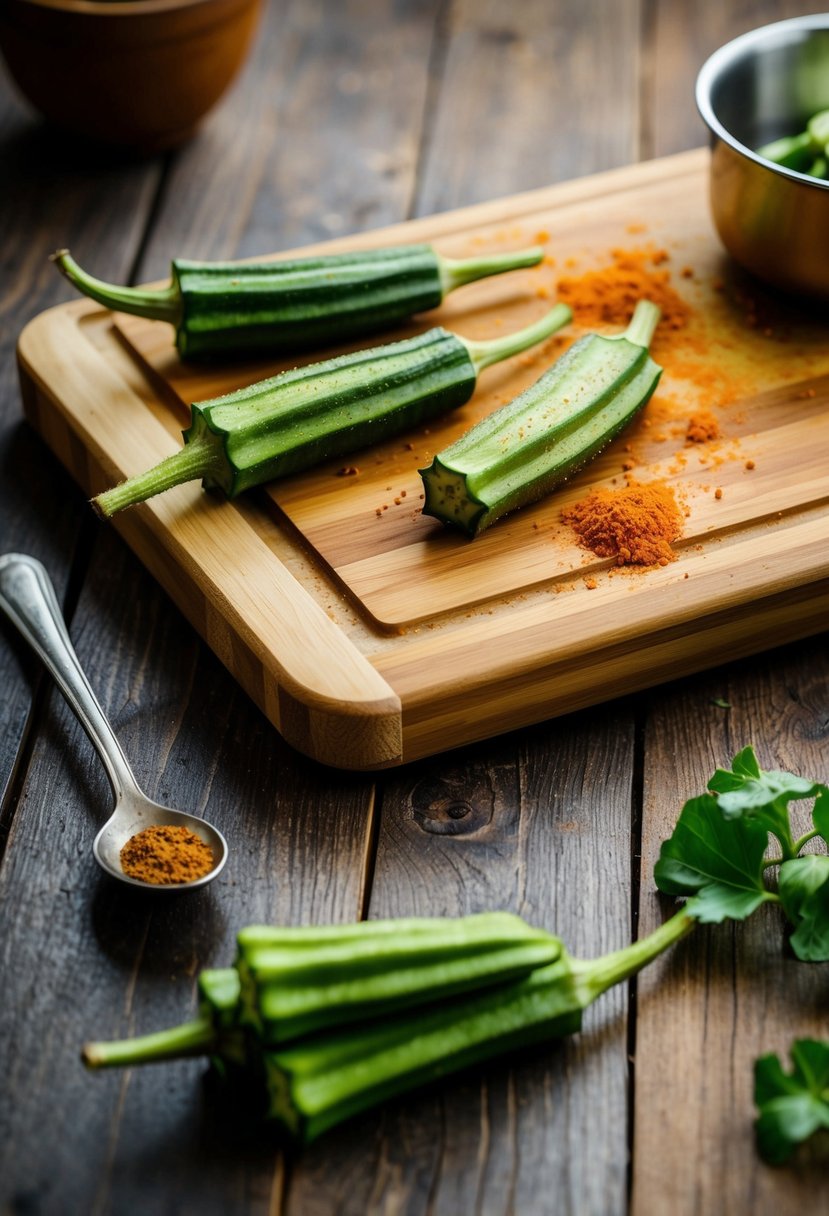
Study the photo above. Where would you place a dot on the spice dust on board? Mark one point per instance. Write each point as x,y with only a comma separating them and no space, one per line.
166,854
609,295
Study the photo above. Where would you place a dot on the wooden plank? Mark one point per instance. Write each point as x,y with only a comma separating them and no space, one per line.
474,830
541,116
40,508
728,993
299,834
89,959
425,596
678,39
321,139
511,826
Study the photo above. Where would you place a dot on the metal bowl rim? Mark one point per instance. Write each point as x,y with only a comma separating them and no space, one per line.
725,55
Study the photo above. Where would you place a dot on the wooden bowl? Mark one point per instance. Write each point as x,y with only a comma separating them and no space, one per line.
139,74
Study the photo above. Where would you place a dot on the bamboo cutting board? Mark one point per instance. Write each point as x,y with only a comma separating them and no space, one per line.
369,635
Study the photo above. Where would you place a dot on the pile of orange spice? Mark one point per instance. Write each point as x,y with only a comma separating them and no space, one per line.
635,524
166,854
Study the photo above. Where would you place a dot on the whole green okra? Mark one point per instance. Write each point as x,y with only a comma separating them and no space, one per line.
221,309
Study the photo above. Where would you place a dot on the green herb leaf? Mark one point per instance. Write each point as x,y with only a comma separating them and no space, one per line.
820,812
804,893
716,862
792,1106
749,792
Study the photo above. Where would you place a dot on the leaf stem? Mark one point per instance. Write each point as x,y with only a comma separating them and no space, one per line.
804,840
784,835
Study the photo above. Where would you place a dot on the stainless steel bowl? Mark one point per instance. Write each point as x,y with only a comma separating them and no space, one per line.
768,83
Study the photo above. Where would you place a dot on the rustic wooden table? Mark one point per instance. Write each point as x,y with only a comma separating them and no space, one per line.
350,116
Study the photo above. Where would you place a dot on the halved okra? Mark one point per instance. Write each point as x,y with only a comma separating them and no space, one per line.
300,417
522,451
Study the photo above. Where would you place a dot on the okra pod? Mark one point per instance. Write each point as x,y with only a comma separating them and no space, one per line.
223,309
294,981
324,1077
521,452
321,1081
300,417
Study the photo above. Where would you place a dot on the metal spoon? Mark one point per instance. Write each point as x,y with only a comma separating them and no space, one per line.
28,598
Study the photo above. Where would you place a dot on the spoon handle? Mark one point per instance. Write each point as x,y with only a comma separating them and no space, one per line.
28,599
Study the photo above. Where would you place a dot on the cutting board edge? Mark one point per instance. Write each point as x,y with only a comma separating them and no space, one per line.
614,675
361,730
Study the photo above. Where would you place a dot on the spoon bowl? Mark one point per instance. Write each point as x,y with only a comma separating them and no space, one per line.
28,599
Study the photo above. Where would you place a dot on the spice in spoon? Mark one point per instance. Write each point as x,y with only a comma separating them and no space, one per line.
166,854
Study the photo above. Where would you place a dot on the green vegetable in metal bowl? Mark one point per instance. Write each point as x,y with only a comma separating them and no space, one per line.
806,152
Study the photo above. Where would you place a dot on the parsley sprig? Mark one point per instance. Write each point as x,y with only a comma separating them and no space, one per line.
728,843
723,856
792,1105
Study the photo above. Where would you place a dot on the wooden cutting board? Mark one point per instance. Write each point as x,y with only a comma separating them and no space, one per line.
369,635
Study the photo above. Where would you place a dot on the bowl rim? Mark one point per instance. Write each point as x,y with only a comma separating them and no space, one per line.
713,66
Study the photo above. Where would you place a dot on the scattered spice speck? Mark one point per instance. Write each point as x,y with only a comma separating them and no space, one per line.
702,427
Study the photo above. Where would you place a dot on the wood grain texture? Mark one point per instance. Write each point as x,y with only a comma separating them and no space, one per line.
89,960
512,826
728,993
40,509
678,38
350,116
540,117
320,138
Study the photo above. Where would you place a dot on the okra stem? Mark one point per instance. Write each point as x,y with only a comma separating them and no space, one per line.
455,273
642,324
595,976
196,1038
484,354
156,305
199,458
